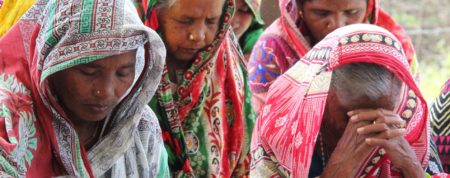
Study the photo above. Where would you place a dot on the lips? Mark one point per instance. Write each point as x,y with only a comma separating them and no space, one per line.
190,50
98,108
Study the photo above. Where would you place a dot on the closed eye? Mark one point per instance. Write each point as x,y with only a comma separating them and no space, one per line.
185,21
244,9
212,21
87,70
352,12
322,13
126,71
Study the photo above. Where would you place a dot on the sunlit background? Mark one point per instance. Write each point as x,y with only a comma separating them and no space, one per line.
426,22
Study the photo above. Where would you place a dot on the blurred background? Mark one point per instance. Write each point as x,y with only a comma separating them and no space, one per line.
427,23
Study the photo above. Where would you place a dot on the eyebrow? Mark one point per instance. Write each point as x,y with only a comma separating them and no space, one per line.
129,65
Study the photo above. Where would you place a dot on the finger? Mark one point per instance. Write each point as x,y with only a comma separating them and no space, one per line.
390,134
377,142
369,114
392,120
372,129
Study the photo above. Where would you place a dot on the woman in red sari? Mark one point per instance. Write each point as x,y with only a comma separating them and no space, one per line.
301,25
318,121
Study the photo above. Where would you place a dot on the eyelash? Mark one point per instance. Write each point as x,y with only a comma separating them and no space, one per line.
88,73
126,73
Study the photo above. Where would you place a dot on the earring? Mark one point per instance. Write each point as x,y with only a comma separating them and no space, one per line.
191,37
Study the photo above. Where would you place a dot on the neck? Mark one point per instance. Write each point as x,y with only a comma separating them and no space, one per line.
174,65
88,132
330,135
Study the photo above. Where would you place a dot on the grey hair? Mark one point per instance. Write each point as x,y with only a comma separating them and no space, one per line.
357,80
163,4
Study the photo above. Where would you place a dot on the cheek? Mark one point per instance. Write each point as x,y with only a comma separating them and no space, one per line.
123,85
71,90
246,20
173,35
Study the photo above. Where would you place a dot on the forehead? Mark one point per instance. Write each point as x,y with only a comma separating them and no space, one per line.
197,8
335,4
114,61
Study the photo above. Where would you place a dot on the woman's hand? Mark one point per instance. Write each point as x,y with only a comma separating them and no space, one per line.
387,131
350,152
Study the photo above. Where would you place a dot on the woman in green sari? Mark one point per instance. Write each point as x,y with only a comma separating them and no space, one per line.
247,24
203,102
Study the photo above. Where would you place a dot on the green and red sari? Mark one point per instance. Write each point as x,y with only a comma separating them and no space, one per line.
207,122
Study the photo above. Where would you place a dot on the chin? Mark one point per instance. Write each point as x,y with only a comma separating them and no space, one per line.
186,58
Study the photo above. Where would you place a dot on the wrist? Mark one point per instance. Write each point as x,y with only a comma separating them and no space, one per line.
412,169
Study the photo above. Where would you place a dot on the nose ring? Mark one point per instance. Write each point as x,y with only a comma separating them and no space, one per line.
328,25
97,92
191,37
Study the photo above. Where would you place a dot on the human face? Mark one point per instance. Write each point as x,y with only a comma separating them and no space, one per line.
89,92
323,16
189,26
242,18
339,103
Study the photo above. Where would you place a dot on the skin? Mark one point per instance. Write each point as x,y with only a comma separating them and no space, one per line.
76,89
242,18
318,14
352,134
177,24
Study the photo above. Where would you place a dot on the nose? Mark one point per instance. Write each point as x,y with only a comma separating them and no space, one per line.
337,22
104,89
198,33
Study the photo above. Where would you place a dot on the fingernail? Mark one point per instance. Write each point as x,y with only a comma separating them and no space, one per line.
354,118
350,113
359,130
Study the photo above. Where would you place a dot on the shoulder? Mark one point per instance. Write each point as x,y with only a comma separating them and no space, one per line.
149,121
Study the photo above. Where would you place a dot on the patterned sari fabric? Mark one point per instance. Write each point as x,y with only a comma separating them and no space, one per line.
285,135
249,38
286,40
36,137
440,122
207,122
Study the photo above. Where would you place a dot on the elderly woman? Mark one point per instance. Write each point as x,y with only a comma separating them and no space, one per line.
203,102
302,24
348,108
247,24
440,123
74,92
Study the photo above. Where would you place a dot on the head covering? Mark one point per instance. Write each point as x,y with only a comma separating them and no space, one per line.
207,121
287,39
57,35
440,122
255,6
256,28
290,121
